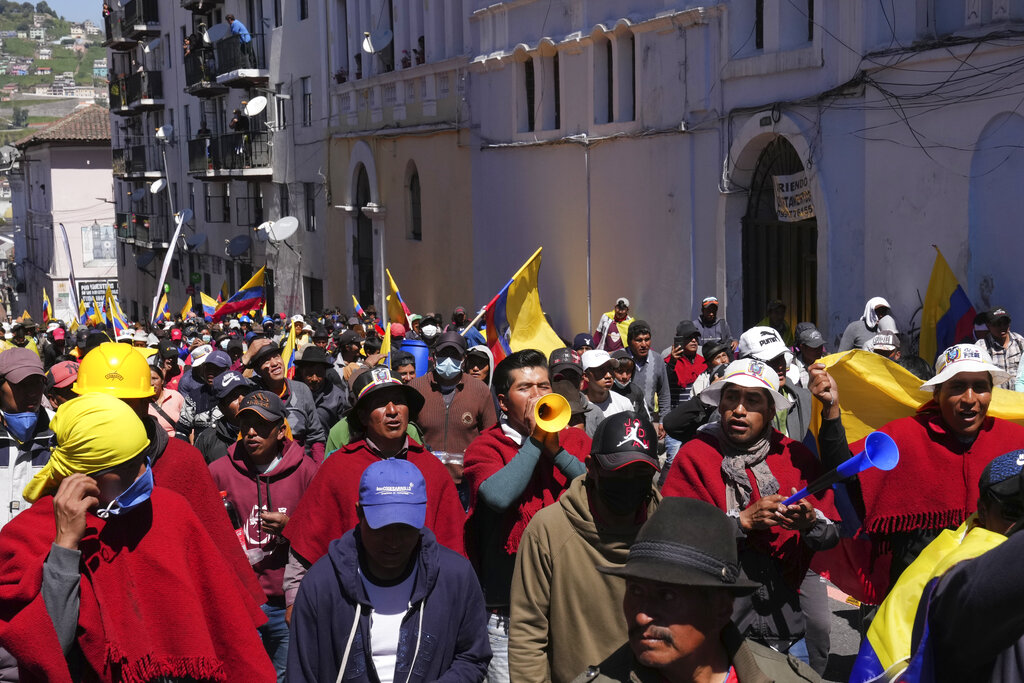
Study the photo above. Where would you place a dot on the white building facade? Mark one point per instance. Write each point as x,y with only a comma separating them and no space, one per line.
232,180
772,149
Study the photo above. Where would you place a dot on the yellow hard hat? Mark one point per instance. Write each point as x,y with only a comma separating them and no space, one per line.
118,370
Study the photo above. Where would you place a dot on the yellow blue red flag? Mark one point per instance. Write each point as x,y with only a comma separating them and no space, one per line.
251,295
947,317
515,318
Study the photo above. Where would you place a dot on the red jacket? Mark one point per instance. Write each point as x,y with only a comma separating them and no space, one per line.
181,468
251,492
328,509
696,472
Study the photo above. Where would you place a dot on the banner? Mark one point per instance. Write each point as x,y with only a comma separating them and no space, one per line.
793,197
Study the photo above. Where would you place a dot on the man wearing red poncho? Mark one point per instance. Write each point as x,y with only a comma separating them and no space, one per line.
747,468
514,470
109,578
943,450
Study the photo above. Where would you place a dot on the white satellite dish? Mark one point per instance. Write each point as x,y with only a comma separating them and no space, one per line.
238,246
216,32
262,231
158,185
195,241
377,41
144,258
165,132
282,229
255,106
151,45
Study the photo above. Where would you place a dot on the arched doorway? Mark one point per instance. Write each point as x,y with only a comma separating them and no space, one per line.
362,241
779,241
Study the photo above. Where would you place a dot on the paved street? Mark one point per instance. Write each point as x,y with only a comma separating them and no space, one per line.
845,636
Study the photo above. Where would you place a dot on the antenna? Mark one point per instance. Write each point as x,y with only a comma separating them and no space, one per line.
376,41
236,246
282,229
255,106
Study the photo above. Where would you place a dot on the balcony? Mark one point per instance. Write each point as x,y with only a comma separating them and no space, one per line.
124,227
119,163
147,230
200,5
241,65
145,91
118,91
141,19
201,74
143,161
114,36
233,155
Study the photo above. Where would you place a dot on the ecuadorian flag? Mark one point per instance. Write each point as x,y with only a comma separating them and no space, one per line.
948,316
250,296
515,319
47,309
209,306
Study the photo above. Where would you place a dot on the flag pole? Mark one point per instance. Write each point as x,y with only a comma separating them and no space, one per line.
501,291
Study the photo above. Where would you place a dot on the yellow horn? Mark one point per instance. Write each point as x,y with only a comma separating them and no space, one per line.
552,412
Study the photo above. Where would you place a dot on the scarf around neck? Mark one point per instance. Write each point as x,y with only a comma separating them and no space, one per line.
736,462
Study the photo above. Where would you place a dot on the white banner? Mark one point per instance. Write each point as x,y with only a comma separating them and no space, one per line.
793,197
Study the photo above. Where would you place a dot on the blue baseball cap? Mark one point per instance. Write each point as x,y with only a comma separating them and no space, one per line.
245,319
218,358
393,491
1002,476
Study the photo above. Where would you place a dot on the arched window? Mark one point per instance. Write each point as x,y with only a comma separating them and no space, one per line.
414,203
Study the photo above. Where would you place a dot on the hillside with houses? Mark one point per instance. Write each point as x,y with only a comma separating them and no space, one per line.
48,66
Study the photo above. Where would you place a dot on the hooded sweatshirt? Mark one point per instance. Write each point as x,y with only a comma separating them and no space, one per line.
556,588
859,332
279,490
443,636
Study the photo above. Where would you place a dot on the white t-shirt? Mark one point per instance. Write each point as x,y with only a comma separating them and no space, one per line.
390,604
615,403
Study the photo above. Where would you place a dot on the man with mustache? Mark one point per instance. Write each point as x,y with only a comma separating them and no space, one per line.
682,576
746,467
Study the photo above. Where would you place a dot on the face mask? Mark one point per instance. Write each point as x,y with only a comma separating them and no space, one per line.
448,368
620,385
21,425
207,338
623,496
429,330
133,496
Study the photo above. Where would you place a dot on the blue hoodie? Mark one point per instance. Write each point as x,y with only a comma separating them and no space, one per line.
444,634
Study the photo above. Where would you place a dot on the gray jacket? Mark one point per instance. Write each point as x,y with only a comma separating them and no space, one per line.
302,415
652,378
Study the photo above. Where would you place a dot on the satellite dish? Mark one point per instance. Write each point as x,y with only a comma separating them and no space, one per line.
195,241
165,132
158,185
216,32
137,195
185,215
262,231
377,41
254,106
238,246
151,45
282,229
144,258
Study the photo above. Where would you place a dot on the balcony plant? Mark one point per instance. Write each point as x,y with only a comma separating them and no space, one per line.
340,76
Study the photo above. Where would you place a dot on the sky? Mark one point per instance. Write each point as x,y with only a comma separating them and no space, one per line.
78,10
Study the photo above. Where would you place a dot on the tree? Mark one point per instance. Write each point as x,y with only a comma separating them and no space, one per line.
43,8
20,117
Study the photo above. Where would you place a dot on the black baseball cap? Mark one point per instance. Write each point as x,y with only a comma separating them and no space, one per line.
561,360
266,404
623,439
451,340
229,381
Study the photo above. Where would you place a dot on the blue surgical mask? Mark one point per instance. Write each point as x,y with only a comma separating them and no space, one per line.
207,338
132,497
448,368
21,425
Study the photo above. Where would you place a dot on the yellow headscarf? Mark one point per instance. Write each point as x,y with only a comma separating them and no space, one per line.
93,432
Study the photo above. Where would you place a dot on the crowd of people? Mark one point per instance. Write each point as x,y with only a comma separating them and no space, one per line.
270,498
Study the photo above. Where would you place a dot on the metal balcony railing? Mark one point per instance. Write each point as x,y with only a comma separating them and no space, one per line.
119,162
230,152
200,5
114,36
144,85
200,68
141,18
118,91
234,55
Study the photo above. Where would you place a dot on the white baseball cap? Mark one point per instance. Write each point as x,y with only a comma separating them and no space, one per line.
200,353
965,358
747,372
595,358
762,343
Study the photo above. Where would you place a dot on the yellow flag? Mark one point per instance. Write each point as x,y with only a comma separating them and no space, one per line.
527,324
187,308
874,391
396,307
385,347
